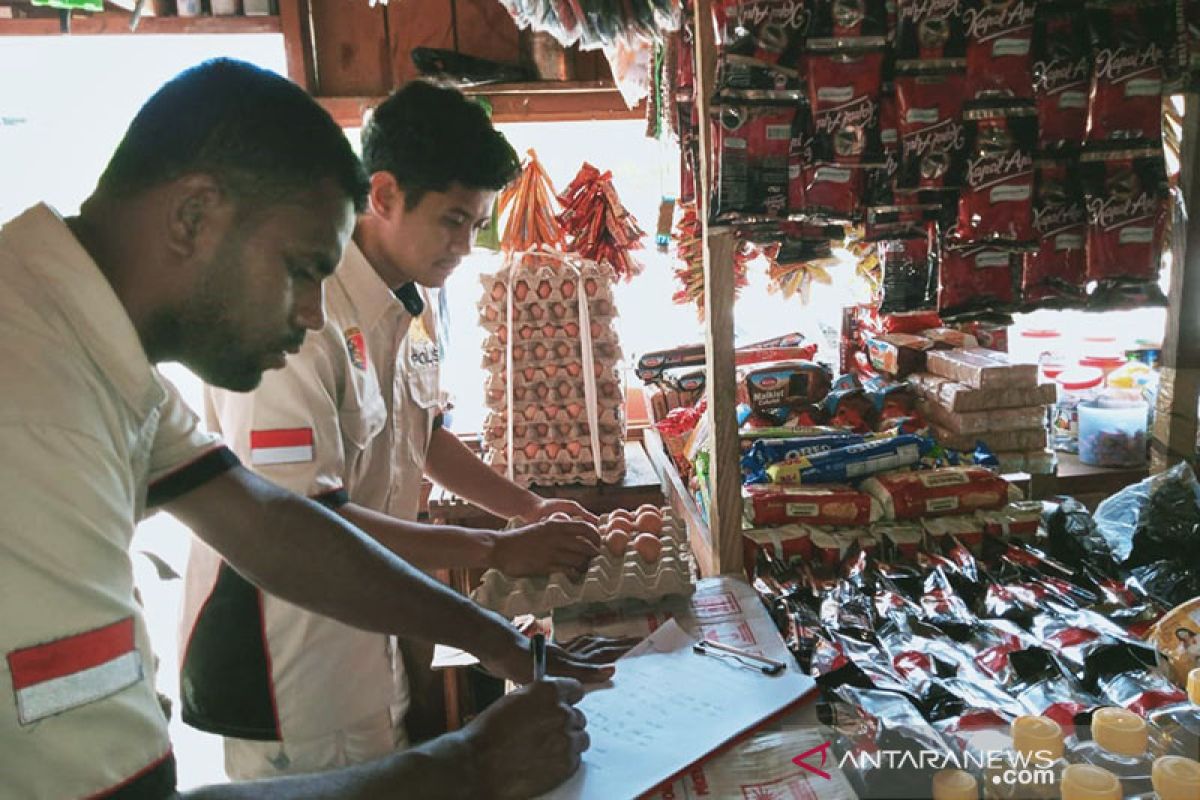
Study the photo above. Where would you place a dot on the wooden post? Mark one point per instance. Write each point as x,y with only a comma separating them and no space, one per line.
297,43
1174,434
725,503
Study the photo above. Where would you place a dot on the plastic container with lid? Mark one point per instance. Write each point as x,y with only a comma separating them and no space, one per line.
1089,782
1074,387
1035,345
1119,744
1178,724
954,784
1176,778
1032,767
1112,431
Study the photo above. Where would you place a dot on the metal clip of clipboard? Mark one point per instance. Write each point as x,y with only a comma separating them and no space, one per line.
767,666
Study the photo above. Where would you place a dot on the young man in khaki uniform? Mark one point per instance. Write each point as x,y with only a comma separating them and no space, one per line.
207,241
354,421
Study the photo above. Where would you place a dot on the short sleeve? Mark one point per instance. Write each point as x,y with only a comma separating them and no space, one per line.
287,429
180,439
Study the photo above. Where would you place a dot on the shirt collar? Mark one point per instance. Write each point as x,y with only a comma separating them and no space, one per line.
367,291
410,297
88,303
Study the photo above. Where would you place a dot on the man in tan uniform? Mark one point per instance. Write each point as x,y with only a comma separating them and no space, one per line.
207,241
354,421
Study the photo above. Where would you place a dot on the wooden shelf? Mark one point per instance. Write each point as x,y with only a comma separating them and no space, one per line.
541,101
114,23
682,503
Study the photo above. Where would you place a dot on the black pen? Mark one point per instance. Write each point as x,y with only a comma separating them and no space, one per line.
768,666
537,647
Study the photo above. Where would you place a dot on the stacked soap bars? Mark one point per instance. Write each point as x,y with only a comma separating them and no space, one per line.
556,405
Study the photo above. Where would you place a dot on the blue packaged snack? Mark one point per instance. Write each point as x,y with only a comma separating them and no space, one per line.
853,461
767,453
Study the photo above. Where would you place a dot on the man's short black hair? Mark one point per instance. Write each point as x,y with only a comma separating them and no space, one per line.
430,136
258,134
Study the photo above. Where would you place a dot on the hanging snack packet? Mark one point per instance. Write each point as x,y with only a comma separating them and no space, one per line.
833,191
999,48
975,281
908,271
1061,75
848,18
800,158
1127,209
845,78
881,181
761,42
996,204
1054,274
752,141
930,104
1130,46
930,29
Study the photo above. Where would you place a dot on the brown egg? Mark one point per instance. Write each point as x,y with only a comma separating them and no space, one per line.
520,291
491,313
551,370
622,513
608,390
544,289
526,331
590,287
648,546
540,351
502,333
531,449
565,390
571,329
542,430
537,312
559,516
563,350
620,524
558,311
649,521
543,391
573,448
573,369
597,330
552,449
568,289
574,410
647,507
530,411
616,541
602,308
551,411
518,393
548,331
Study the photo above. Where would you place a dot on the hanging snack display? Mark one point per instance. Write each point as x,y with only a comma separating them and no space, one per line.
553,389
981,116
597,226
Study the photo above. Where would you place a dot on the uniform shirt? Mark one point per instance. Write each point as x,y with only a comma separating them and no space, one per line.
348,418
92,434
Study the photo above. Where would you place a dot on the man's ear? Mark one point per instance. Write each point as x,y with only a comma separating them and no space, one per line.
386,197
196,209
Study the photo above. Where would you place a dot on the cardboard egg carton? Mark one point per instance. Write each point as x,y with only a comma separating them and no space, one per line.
493,314
609,579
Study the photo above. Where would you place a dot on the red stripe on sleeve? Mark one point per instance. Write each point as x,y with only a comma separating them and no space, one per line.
281,437
72,654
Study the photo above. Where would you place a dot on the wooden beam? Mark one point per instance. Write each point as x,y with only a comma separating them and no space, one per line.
351,45
725,484
1174,434
115,23
517,102
296,25
417,23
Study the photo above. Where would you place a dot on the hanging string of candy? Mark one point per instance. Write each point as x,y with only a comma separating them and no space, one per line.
530,202
597,225
689,250
595,23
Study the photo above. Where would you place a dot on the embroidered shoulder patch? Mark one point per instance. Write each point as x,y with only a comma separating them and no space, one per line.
356,347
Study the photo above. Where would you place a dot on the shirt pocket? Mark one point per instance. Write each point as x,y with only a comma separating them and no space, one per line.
363,414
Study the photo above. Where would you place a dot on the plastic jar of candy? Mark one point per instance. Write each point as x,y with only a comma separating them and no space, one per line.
1075,386
1112,431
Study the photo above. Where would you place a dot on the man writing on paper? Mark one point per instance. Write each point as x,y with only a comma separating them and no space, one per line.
207,241
353,420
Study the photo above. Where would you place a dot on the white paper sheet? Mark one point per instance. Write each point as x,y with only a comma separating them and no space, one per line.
667,708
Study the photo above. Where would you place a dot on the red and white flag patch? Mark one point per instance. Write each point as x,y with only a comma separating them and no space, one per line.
281,446
51,678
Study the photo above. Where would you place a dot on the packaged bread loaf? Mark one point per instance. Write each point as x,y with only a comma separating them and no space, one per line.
937,492
898,354
1029,439
980,422
980,368
958,397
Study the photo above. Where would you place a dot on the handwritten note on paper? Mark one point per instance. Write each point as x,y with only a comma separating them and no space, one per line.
667,708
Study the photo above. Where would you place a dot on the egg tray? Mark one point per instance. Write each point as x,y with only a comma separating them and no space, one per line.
493,314
559,472
609,579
